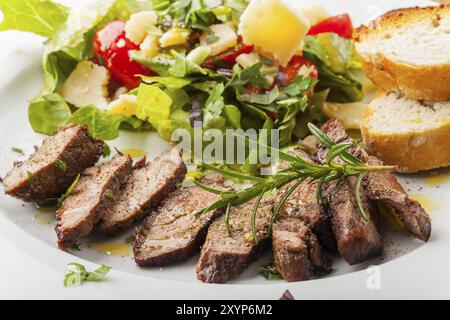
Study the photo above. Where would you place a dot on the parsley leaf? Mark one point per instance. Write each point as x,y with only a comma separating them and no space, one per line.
18,150
69,190
270,272
61,165
77,274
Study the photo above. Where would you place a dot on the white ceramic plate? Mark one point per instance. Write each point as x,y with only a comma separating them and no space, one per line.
408,268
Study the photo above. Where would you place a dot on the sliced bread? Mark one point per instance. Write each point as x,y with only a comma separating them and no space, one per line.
407,51
411,134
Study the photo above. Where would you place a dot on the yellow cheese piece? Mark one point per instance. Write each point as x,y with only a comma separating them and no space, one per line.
350,114
126,105
275,27
174,37
137,27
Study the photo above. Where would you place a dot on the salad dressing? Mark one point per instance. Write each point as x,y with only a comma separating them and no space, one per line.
113,249
427,202
134,153
438,179
45,216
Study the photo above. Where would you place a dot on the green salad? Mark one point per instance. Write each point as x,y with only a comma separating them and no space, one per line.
168,64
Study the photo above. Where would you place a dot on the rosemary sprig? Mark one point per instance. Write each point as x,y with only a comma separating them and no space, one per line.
338,165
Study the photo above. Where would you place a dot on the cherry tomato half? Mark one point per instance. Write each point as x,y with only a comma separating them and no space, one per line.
111,48
294,68
341,25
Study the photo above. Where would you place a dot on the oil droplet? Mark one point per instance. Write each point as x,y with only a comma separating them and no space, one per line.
427,202
112,249
134,153
45,216
437,179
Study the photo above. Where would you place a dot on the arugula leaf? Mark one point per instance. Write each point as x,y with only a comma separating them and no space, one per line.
270,272
183,67
261,98
251,75
77,274
199,16
42,17
212,112
46,113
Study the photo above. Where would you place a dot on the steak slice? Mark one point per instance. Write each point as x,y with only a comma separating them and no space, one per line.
50,170
173,233
384,187
94,193
145,189
223,257
357,239
302,204
297,253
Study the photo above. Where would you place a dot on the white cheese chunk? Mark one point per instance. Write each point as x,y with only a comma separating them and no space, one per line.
87,85
224,37
137,27
150,46
314,12
275,27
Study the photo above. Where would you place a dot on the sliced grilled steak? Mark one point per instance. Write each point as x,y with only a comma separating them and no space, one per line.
50,170
94,193
173,233
297,253
384,187
302,204
223,257
145,189
357,239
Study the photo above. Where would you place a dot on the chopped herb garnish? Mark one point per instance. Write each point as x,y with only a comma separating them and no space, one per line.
266,61
77,274
69,190
270,272
106,150
30,177
61,165
18,150
109,194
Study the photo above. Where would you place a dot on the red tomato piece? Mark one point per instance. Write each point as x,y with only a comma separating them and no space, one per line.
294,68
111,48
341,25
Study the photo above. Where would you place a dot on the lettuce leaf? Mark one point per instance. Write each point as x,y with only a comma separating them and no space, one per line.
42,17
102,124
163,108
48,112
336,60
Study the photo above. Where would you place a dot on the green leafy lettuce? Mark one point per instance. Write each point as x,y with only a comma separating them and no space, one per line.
339,70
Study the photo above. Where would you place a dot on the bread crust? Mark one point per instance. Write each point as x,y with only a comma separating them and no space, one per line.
427,82
410,151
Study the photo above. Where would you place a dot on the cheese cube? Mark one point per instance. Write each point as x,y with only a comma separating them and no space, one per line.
137,27
275,27
224,37
87,85
314,12
174,37
150,46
